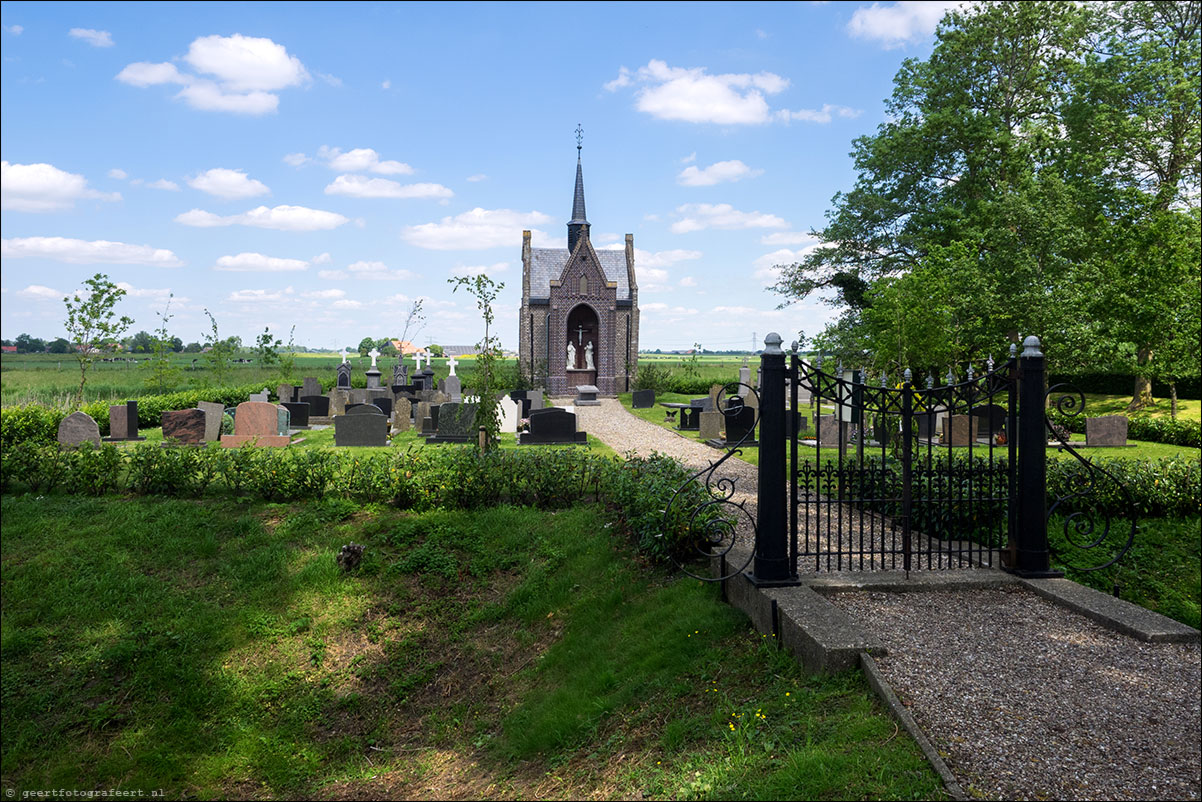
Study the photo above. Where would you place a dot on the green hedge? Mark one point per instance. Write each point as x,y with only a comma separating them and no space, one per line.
447,477
1167,487
1124,384
40,425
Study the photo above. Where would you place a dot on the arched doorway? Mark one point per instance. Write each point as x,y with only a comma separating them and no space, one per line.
583,346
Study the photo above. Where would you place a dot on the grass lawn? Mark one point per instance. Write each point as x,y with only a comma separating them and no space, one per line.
214,650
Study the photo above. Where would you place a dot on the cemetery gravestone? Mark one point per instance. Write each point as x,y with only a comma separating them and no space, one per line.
338,400
286,393
536,399
1108,430
76,428
123,423
454,388
958,430
586,396
550,426
343,379
401,415
710,427
283,418
830,431
642,399
262,398
383,404
213,415
299,412
991,418
309,386
740,423
257,423
744,378
319,405
367,428
184,426
456,423
510,414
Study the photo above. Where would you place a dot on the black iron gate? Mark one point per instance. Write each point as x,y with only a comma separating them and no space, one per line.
900,477
857,474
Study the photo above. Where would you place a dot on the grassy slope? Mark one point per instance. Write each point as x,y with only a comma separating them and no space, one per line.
215,650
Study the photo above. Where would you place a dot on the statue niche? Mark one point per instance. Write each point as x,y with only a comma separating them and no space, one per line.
582,353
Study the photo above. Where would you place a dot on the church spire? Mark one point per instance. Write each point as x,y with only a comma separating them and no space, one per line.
578,225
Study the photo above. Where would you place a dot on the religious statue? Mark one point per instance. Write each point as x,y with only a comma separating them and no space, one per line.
588,356
571,356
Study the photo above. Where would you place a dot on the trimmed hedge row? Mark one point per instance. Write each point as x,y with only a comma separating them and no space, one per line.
449,477
1141,427
1124,384
1167,487
39,424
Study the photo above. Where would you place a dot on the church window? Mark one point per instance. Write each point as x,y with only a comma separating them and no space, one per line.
584,285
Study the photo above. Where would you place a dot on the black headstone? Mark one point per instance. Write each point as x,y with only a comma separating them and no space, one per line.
643,399
344,376
299,411
361,430
384,405
992,418
740,423
553,425
363,409
319,405
456,423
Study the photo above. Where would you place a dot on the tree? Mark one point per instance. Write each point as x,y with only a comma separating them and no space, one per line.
485,379
218,353
90,323
164,374
435,350
1027,170
27,344
366,345
192,348
141,343
267,347
177,345
59,346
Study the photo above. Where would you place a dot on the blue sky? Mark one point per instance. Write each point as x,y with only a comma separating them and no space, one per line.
323,165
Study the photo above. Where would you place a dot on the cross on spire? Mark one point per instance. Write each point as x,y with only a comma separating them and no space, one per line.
579,136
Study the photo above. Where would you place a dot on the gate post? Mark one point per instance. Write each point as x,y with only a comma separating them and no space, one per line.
772,564
1033,558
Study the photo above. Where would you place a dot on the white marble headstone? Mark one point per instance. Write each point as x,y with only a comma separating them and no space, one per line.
510,412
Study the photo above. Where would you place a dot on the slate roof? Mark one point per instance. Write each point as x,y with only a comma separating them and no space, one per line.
546,264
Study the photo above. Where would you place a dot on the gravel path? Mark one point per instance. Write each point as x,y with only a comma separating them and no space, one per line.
1024,698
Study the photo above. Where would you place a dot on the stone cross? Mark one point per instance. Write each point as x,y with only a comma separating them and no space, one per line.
344,353
373,353
451,363
418,358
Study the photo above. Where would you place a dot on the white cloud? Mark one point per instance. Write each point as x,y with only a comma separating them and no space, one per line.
477,177
824,115
788,238
479,270
332,80
360,186
700,216
688,281
296,159
322,259
37,292
228,184
768,265
82,252
44,188
658,306
164,184
154,294
258,262
360,160
94,38
692,95
346,303
142,74
377,271
663,258
716,173
692,157
324,295
386,84
899,24
280,218
256,296
650,278
246,63
118,173
475,230
247,70
15,30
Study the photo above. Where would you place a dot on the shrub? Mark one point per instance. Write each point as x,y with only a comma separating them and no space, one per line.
31,423
1158,488
1142,427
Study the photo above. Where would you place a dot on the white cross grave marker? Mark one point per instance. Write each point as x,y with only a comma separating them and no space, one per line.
344,353
418,358
451,363
373,353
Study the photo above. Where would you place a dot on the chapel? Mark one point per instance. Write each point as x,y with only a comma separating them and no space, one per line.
579,321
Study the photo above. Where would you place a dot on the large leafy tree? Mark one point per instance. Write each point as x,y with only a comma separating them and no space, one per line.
92,322
1026,171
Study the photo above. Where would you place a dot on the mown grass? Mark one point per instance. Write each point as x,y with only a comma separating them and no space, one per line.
215,650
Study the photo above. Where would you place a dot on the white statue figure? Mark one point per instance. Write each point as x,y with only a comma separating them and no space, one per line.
451,363
373,353
588,356
344,353
571,356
